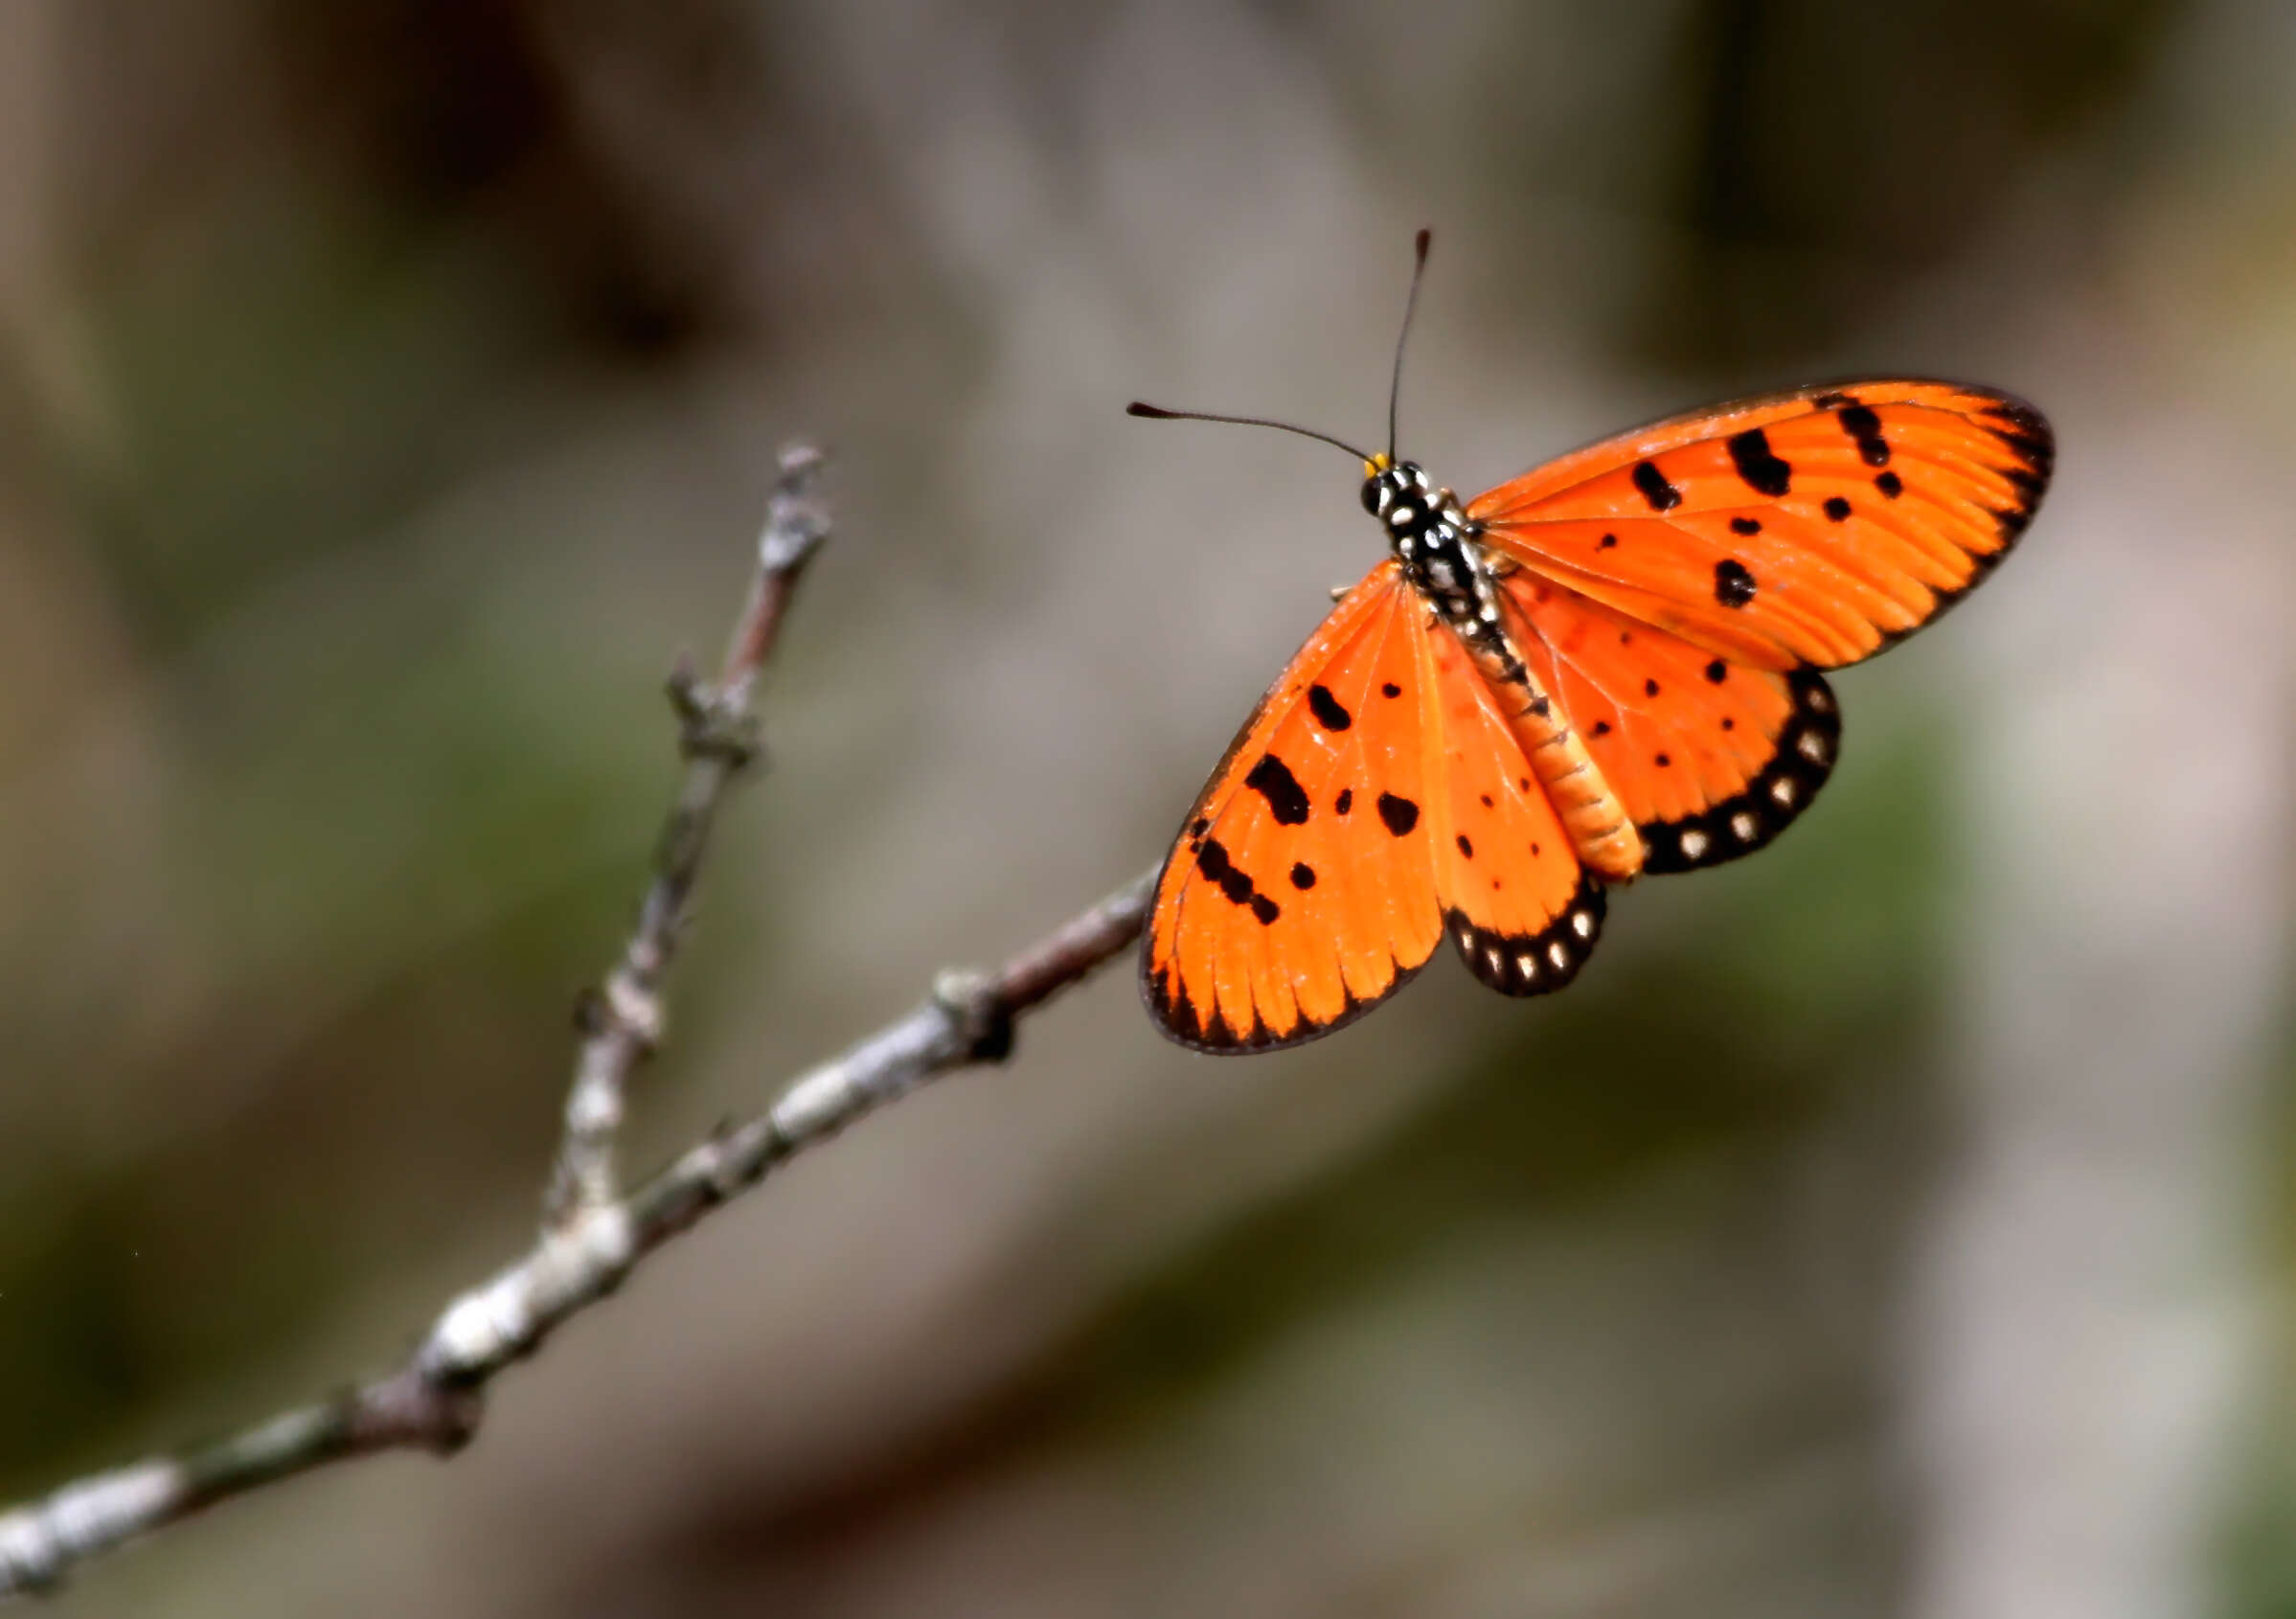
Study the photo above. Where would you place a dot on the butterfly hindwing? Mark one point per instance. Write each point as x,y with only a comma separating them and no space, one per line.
1802,756
1710,759
1521,911
1811,527
1301,892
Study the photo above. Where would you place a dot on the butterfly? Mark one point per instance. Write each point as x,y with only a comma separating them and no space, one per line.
1608,666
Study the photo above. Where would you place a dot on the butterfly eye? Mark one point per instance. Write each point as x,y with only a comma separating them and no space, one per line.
1376,495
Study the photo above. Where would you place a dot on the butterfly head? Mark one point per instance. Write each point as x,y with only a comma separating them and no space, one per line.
1416,514
1389,485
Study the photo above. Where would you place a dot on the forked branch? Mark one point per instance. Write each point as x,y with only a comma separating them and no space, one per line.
592,1235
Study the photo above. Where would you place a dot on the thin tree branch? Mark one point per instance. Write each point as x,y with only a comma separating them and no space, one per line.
621,1022
592,1238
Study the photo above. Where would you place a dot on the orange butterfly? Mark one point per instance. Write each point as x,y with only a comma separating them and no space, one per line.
1605,667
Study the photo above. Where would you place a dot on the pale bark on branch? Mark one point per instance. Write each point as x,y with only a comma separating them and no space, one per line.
593,1236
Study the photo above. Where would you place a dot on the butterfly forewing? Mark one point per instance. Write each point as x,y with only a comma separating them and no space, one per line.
1300,890
1806,528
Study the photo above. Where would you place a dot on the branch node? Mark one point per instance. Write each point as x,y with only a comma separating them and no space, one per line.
636,1008
720,731
715,1156
689,695
774,1149
413,1409
983,1022
796,523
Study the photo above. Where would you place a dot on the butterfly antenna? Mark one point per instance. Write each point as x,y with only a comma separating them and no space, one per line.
1395,385
1157,413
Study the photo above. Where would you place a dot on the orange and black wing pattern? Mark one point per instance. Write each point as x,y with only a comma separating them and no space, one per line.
1709,758
1668,599
1807,527
1521,909
1375,801
1301,892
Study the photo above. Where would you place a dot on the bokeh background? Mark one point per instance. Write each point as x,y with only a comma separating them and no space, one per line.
1900,1224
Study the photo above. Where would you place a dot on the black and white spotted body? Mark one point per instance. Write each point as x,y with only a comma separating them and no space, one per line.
1438,545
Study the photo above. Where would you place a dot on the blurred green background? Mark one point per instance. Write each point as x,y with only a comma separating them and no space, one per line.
1897,1224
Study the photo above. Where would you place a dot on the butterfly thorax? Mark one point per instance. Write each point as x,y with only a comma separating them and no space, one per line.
1442,555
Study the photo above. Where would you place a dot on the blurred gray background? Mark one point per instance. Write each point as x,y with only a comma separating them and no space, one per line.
1900,1224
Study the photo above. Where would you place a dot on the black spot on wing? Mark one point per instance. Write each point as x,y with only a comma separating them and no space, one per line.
1467,850
1223,874
1838,510
1264,909
1650,688
1345,802
1733,582
1302,874
1889,484
1745,525
1662,495
1606,542
1212,860
1327,710
1807,747
1718,672
1758,464
1389,688
1400,815
1272,780
1865,428
1532,964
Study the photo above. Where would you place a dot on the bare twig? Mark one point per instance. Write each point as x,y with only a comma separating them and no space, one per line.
622,1023
593,1237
